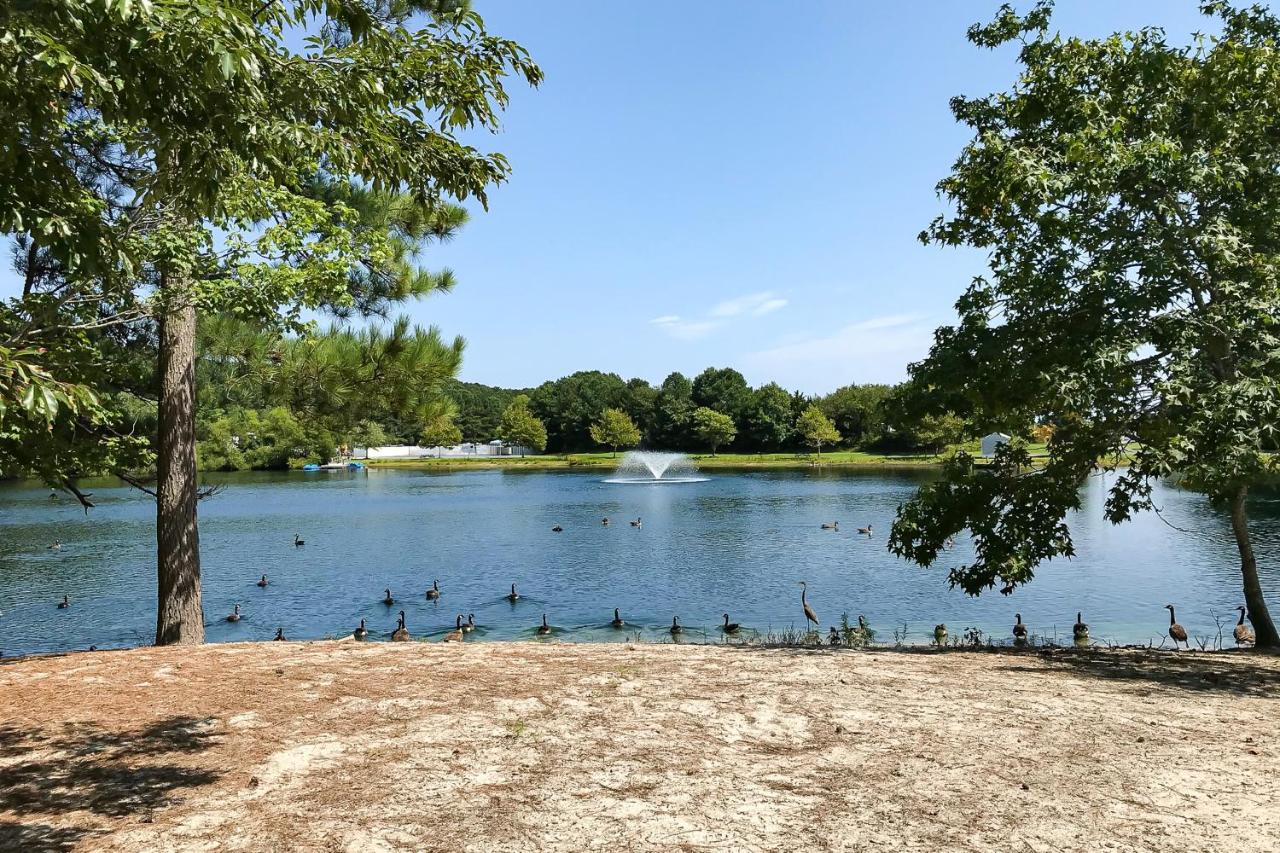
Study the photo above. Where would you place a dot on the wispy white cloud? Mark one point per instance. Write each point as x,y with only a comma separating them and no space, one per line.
756,304
873,350
721,314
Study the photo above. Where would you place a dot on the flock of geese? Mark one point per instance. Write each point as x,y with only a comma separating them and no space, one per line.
1244,635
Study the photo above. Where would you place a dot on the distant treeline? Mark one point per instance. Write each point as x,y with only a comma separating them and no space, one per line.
765,417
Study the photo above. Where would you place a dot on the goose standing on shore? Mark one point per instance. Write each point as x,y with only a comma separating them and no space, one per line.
940,634
234,615
544,629
809,615
1243,633
279,637
433,594
1176,632
1080,631
513,596
1019,630
361,632
401,633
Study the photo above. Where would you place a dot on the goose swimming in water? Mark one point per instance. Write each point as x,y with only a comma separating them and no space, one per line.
234,615
387,599
865,531
604,522
434,593
557,529
617,619
637,523
279,637
470,624
56,546
361,632
513,596
675,627
834,525
1243,633
298,541
544,628
729,627
263,582
64,603
455,636
401,633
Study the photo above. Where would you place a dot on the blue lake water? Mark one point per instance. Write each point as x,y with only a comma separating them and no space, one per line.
738,542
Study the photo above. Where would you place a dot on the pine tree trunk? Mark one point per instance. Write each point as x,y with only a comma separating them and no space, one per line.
1263,627
179,615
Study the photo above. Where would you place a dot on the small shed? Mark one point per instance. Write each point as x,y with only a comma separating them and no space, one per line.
991,442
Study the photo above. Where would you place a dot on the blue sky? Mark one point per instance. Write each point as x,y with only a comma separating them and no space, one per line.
728,182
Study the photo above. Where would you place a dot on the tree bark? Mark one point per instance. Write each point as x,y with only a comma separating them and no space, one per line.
1263,627
179,614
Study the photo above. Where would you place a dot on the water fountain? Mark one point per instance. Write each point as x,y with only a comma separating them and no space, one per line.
654,466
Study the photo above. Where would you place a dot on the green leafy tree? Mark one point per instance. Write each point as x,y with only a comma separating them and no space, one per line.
207,125
768,423
858,412
725,390
1125,191
570,405
937,431
615,429
713,428
816,429
672,414
521,427
443,432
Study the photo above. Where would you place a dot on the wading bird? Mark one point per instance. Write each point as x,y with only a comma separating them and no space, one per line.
401,633
1244,634
1176,631
809,615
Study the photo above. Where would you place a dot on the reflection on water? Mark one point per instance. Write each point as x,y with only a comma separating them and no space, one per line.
737,542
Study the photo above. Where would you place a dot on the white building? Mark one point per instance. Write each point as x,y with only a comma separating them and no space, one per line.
991,442
458,451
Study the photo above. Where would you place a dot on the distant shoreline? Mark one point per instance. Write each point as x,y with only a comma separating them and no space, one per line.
607,462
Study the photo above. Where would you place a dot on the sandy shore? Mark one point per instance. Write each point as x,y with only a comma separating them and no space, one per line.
521,746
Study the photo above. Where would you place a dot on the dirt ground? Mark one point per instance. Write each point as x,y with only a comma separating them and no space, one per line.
523,746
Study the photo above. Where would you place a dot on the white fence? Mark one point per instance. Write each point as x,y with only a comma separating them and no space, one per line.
458,451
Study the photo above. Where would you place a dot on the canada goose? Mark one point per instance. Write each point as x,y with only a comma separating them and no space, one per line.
865,531
263,582
56,546
387,599
434,592
544,628
234,616
675,626
64,603
279,637
834,525
1176,631
298,541
729,627
401,633
809,615
950,543
617,619
1019,630
833,637
470,623
940,634
513,596
604,522
361,632
637,523
862,624
557,529
455,636
1244,634
1080,631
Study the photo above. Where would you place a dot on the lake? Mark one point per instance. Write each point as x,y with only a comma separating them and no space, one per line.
738,542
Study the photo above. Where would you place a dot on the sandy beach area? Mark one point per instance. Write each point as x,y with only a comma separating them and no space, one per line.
344,746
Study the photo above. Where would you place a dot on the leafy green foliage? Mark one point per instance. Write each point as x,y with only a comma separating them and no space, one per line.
1126,192
615,429
713,428
519,426
816,428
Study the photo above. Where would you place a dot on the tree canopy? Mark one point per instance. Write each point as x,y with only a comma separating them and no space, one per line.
521,427
816,428
1127,193
615,429
712,427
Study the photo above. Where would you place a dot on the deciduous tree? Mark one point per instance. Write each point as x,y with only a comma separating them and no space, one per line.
615,429
712,427
816,429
